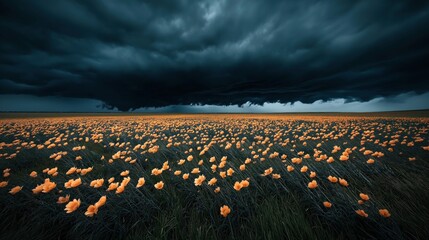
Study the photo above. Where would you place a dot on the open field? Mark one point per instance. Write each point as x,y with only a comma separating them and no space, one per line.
215,176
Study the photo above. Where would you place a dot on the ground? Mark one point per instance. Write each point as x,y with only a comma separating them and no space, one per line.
214,176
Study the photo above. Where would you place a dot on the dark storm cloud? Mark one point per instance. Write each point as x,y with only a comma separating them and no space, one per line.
132,54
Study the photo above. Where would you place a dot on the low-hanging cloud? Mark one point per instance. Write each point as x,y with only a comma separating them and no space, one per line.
137,54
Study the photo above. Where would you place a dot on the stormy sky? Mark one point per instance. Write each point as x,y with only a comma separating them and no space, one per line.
214,56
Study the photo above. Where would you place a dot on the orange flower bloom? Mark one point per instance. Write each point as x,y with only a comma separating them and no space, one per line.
141,182
327,204
312,184
159,185
364,197
15,190
33,174
195,171
199,181
332,179
343,182
91,210
63,199
230,171
212,182
225,210
125,173
290,168
312,174
304,169
185,176
113,186
384,212
361,213
97,183
370,161
72,206
101,202
3,184
237,186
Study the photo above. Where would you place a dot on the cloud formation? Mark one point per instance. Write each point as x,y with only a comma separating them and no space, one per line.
134,54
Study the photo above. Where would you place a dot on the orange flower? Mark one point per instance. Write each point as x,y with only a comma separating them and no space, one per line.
370,161
364,197
63,199
159,185
212,182
267,171
101,201
3,184
242,167
125,173
327,204
384,212
195,171
15,190
38,189
222,174
48,185
312,174
217,190
244,183
141,182
312,184
97,183
238,186
230,171
361,213
225,210
177,172
71,171
33,174
290,168
343,182
276,175
72,206
113,186
332,179
91,210
304,169
185,176
199,181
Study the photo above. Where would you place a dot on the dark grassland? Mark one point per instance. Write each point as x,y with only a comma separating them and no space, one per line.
269,208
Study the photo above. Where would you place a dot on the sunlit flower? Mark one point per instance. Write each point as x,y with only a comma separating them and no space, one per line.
91,210
101,202
33,174
15,190
3,184
304,169
361,213
62,200
327,204
159,185
343,182
199,181
237,186
312,184
72,206
185,176
141,182
364,197
332,179
212,182
230,171
225,210
384,212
